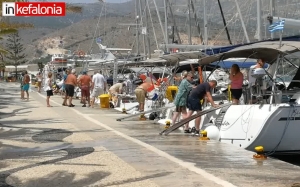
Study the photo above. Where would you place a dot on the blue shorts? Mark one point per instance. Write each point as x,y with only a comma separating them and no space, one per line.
194,104
25,87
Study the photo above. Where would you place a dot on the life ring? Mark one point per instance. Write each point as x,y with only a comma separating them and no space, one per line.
174,50
80,53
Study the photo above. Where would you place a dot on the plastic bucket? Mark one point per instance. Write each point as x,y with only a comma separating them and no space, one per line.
104,101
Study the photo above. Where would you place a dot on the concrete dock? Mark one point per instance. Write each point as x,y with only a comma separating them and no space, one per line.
66,147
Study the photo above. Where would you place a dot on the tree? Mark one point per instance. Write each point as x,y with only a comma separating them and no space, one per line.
15,55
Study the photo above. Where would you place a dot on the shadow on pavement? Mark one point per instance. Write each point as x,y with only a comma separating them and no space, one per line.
71,154
62,179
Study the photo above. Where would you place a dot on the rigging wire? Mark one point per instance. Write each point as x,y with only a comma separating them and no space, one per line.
154,33
95,33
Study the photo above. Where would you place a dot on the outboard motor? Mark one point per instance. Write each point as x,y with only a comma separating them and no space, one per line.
260,84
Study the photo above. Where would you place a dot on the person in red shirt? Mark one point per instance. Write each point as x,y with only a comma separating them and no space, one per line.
85,82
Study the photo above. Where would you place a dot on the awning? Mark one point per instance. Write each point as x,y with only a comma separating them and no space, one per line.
169,60
13,68
265,50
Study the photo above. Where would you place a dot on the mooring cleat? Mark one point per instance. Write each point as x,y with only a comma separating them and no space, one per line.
259,153
124,111
168,124
203,135
142,117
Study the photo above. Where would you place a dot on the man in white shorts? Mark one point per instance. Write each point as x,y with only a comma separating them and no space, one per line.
98,86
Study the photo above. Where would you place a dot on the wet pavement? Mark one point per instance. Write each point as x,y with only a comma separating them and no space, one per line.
62,146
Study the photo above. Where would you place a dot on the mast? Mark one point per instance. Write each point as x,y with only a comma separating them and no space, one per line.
190,22
147,30
166,23
174,22
196,21
272,11
205,23
224,22
142,26
160,22
259,25
242,21
137,27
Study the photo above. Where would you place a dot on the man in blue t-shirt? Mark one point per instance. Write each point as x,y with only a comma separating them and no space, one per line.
193,102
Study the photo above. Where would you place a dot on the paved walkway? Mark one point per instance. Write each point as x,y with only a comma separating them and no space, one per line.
62,146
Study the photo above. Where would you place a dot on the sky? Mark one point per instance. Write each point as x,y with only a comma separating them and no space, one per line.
90,1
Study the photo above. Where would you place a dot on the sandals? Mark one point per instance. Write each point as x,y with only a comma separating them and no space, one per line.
71,105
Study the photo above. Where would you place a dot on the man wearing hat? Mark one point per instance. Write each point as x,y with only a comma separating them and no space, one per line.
85,82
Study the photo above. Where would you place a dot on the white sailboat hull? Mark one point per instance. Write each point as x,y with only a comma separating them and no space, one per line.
275,127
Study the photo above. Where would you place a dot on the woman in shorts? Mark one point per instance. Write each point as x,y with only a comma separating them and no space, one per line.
181,97
237,78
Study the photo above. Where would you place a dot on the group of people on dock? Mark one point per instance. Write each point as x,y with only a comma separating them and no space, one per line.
91,87
192,97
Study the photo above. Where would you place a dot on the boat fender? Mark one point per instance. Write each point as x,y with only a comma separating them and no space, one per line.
213,132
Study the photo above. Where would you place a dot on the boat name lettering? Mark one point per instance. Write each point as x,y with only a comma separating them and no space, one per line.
225,123
296,112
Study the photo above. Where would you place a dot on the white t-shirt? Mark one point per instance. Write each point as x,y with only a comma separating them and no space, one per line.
47,85
99,81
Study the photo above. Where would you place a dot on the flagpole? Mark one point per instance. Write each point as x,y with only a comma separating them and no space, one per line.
280,39
277,64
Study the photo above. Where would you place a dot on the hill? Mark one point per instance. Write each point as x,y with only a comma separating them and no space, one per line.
78,31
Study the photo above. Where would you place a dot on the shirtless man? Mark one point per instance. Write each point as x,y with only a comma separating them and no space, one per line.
70,84
25,87
141,94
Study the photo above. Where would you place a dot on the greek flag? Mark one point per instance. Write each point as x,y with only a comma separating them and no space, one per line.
277,26
99,40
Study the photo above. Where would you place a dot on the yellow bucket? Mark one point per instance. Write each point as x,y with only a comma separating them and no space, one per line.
171,92
104,101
